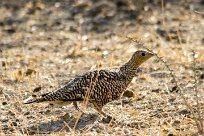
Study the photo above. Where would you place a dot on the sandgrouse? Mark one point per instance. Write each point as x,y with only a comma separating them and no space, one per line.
99,86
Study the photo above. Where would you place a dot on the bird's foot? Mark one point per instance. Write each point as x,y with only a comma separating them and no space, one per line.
77,107
107,119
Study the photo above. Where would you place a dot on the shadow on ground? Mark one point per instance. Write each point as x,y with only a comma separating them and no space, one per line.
65,123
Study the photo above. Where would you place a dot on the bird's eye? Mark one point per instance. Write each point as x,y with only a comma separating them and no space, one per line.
143,54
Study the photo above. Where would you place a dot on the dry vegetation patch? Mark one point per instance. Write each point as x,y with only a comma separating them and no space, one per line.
45,43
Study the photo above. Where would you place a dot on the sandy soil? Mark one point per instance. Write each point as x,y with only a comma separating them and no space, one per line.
43,44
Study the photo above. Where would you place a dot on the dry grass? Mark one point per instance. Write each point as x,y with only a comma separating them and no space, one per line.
45,51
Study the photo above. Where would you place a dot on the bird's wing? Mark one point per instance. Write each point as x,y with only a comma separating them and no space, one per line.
74,90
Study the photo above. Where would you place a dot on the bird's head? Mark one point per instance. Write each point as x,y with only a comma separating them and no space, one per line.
140,56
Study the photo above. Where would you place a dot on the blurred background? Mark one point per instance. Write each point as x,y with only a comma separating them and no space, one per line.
44,43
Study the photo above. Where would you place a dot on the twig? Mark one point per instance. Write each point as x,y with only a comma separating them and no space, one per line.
199,119
198,12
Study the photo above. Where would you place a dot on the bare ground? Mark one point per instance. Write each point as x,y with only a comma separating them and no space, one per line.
45,43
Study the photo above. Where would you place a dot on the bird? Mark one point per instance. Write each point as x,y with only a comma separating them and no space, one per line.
98,87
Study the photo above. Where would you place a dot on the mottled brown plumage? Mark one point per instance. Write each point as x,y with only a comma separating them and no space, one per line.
99,86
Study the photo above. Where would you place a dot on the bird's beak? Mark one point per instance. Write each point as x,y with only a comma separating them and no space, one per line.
151,54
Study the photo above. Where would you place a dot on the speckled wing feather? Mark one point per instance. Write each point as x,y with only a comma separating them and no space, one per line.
74,90
101,83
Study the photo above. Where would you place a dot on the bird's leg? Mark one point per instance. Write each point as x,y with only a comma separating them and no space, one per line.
77,107
106,118
101,112
99,109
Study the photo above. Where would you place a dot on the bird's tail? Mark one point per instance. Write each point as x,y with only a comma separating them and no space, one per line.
33,100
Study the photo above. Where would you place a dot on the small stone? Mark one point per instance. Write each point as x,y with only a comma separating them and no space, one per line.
175,88
47,111
1,90
161,32
14,124
159,74
4,127
105,53
41,112
3,64
9,92
176,122
26,113
184,112
126,101
170,134
34,96
10,29
202,76
30,72
43,49
30,117
172,99
128,93
3,119
37,89
156,90
72,29
4,103
11,113
202,40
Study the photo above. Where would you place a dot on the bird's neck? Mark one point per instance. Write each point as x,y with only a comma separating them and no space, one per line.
128,69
